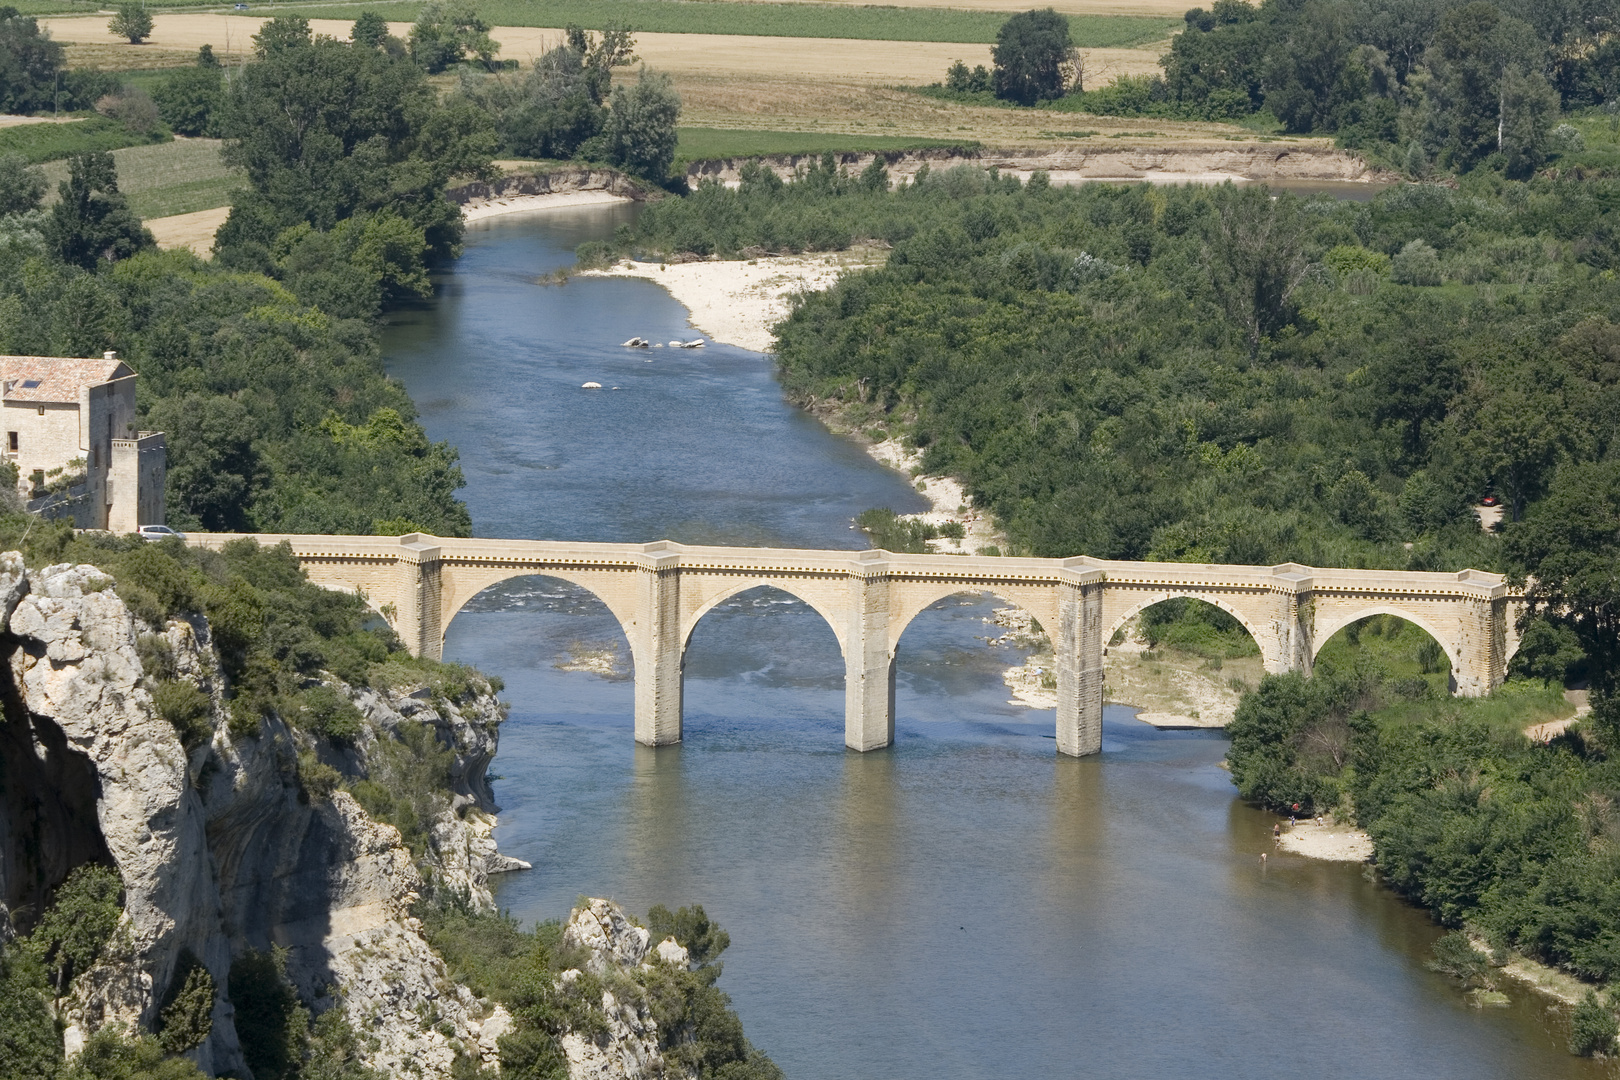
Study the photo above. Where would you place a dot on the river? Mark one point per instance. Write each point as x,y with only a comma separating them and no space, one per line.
963,905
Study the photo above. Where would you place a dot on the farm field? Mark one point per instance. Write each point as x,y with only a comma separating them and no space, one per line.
813,20
743,82
165,179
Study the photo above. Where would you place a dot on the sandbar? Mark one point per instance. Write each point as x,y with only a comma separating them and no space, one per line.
480,209
1331,842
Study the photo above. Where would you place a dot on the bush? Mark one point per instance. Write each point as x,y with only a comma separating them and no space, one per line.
1416,264
80,921
186,1017
1592,1029
114,1054
1456,956
187,708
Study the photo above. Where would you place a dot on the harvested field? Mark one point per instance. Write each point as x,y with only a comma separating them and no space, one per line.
863,21
806,85
195,231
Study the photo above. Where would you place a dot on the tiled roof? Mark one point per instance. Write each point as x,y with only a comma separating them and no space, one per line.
54,378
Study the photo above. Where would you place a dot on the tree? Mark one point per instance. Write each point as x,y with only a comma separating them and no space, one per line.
641,126
446,33
326,131
189,99
1592,1029
30,63
92,221
213,467
1529,108
1257,247
1568,547
369,31
1030,51
1547,651
113,1054
133,21
22,186
1470,57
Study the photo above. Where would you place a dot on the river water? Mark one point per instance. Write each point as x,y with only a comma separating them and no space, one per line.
963,905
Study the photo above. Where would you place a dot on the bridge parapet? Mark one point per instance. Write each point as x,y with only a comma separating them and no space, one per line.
659,591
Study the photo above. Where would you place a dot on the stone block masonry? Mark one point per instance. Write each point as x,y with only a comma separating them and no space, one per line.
658,592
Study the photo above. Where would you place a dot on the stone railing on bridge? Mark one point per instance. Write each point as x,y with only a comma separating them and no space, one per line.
659,591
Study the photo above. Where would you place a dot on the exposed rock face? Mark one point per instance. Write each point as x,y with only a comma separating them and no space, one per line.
628,1050
1183,161
75,670
560,181
226,851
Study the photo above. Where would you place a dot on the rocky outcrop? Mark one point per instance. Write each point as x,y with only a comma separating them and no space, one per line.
75,679
626,1047
228,848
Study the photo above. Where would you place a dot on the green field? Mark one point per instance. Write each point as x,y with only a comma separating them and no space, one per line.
762,19
51,142
703,144
169,178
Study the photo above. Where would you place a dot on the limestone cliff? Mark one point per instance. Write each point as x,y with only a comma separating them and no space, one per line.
238,844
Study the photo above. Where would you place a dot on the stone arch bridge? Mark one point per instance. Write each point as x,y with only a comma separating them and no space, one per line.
659,591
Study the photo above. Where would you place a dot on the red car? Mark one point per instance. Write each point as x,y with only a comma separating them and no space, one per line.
1489,500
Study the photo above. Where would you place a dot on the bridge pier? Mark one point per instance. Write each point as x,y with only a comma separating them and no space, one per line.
1078,645
658,652
868,657
418,590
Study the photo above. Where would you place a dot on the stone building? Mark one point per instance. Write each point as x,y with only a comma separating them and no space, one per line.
70,429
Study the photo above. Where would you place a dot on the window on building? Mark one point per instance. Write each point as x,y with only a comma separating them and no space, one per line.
11,441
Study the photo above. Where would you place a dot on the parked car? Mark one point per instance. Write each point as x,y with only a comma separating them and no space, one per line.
159,532
1489,500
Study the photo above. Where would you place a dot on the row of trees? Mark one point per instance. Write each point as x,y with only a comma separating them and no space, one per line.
1422,83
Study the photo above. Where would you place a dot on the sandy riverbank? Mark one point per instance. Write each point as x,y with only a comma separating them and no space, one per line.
1331,841
480,209
740,302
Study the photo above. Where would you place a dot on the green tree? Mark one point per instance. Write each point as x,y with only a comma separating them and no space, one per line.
1592,1029
186,1018
370,30
30,1046
113,1054
213,466
30,64
1472,52
84,912
1547,651
1567,547
447,32
326,131
641,126
91,222
189,98
1258,244
132,21
1030,53
271,1022
22,186
1529,109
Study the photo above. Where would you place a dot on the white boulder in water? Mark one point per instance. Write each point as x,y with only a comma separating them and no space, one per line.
637,343
590,386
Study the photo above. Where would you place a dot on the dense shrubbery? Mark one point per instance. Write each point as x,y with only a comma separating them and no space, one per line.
1203,374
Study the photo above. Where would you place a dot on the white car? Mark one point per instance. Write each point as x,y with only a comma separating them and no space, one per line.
159,532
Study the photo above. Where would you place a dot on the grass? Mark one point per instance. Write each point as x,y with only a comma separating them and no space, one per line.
170,178
52,142
764,19
705,143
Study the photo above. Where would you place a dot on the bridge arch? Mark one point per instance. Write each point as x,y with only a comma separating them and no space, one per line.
1447,642
464,586
707,600
916,597
1264,636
